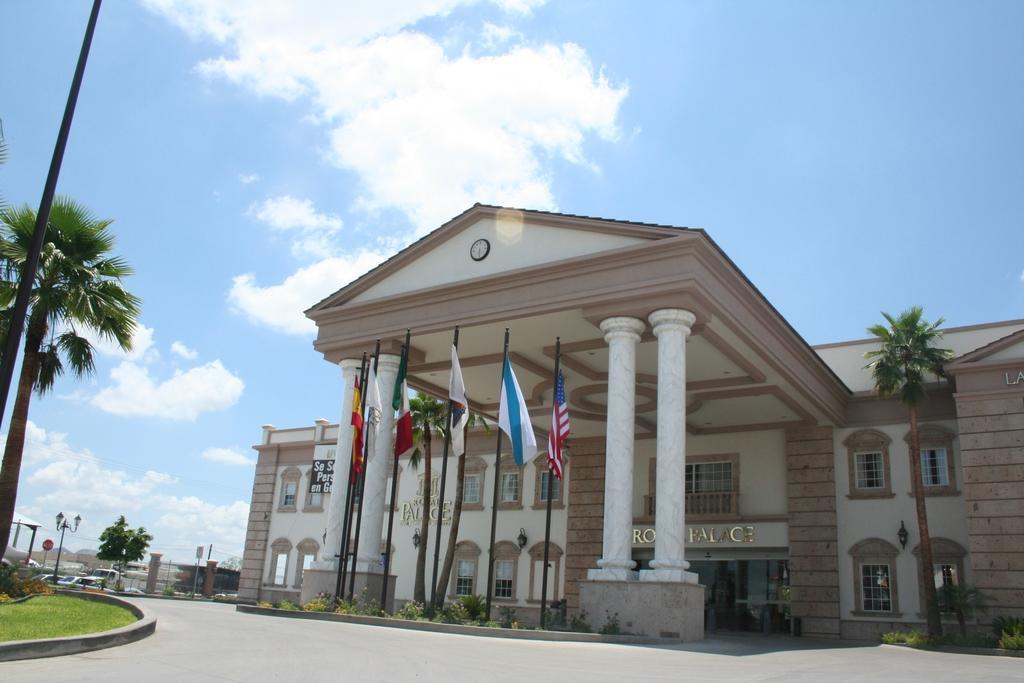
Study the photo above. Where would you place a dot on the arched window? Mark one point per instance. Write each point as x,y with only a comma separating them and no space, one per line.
874,578
506,568
465,569
289,496
867,453
947,564
537,571
305,556
278,571
937,472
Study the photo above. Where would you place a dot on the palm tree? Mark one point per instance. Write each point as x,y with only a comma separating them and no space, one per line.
428,415
962,601
76,287
453,533
907,356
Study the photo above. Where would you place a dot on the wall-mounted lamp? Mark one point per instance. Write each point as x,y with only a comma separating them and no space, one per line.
416,539
902,534
521,538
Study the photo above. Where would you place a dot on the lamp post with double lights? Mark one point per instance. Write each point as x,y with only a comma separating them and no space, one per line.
63,525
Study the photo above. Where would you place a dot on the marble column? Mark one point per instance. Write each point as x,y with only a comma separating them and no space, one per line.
342,462
616,563
378,469
671,327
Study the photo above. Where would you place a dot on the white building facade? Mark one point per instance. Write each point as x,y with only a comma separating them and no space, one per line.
722,475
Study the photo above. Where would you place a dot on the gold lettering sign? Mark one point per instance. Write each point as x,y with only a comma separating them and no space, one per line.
1011,380
701,534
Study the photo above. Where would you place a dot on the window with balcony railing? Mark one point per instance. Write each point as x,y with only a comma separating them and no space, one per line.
712,487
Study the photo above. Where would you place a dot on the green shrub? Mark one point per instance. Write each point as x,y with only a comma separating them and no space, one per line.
265,604
288,605
410,611
578,622
911,638
475,606
611,626
1000,625
323,602
454,613
168,591
13,586
1013,637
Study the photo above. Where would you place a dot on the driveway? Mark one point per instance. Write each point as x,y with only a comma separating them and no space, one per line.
200,642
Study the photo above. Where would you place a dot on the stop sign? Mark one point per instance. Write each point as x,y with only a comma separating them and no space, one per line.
47,545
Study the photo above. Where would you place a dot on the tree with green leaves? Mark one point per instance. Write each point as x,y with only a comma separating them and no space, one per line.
453,534
121,544
901,367
77,287
428,416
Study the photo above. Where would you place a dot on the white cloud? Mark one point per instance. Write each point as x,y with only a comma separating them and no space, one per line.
281,306
179,349
248,178
75,481
426,133
142,344
184,396
493,35
227,456
314,232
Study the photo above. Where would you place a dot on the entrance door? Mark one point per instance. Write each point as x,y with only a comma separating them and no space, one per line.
745,595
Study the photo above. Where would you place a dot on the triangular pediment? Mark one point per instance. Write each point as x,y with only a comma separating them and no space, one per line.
1005,349
505,240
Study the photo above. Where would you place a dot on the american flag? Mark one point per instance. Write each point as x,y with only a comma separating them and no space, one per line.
559,427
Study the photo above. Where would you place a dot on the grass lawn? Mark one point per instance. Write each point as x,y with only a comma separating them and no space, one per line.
52,616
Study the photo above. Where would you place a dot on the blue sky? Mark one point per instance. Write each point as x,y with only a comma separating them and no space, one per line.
849,157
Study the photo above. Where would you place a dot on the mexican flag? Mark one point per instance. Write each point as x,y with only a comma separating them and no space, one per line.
400,402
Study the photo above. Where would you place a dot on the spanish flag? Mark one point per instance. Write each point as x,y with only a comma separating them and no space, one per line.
357,431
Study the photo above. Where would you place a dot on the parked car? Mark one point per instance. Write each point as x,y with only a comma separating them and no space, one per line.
80,582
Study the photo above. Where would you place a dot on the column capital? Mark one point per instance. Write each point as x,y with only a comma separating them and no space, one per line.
622,327
668,319
350,364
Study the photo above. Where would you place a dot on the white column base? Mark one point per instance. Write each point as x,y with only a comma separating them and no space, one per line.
666,575
611,574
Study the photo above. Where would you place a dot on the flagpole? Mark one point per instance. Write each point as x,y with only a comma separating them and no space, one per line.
394,497
497,485
551,476
349,501
444,475
362,472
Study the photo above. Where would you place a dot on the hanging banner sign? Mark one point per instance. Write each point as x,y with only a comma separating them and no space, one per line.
323,476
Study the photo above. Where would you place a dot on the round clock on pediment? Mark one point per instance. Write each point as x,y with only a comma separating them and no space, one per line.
479,250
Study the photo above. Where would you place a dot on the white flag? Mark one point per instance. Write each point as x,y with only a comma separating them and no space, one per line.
460,410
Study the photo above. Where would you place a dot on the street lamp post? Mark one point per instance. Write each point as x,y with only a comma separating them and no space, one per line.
62,525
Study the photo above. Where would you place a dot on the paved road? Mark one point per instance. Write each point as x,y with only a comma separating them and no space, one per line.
200,642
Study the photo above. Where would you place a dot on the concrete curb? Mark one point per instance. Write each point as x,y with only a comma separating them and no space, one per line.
959,650
461,629
69,645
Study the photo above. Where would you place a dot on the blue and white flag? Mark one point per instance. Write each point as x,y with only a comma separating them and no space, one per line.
514,418
460,410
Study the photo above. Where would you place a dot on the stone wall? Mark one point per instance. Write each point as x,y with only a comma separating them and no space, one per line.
813,546
260,508
992,447
585,517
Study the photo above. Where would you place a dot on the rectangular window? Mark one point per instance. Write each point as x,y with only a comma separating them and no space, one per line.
503,578
307,562
280,568
870,474
934,471
509,487
556,487
471,489
709,477
288,495
316,500
464,577
945,575
875,588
